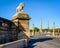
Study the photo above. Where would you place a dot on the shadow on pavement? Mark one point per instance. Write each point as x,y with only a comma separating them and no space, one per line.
33,41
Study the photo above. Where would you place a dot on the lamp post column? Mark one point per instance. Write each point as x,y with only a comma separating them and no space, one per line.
33,30
53,28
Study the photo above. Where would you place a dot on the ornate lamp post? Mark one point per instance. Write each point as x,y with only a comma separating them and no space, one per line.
41,25
33,30
53,28
48,26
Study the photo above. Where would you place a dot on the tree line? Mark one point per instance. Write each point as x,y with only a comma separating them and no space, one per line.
36,29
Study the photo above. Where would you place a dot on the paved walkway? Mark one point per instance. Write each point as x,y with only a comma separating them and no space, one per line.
44,42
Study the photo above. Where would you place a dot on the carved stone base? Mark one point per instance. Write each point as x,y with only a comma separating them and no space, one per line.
21,20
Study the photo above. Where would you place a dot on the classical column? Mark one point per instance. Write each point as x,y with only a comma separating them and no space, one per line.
53,28
41,25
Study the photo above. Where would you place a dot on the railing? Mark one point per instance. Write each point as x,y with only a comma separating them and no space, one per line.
46,34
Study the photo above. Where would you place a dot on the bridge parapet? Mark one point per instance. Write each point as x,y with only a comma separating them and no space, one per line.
16,44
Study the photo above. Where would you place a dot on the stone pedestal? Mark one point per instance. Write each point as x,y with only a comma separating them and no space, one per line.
21,20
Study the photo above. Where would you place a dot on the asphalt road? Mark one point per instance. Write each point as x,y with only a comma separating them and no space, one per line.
42,41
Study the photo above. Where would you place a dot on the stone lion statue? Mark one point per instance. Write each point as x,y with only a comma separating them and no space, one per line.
20,7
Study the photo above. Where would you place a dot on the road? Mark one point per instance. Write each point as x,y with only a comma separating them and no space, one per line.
42,41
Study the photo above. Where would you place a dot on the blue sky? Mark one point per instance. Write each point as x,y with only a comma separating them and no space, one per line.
37,9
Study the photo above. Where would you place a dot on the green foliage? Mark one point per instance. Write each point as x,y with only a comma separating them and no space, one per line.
51,30
36,29
30,30
45,30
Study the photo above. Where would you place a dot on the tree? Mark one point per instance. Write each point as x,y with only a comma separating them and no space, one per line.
36,29
45,30
30,30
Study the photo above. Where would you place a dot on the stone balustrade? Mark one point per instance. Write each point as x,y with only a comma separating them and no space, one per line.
16,44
